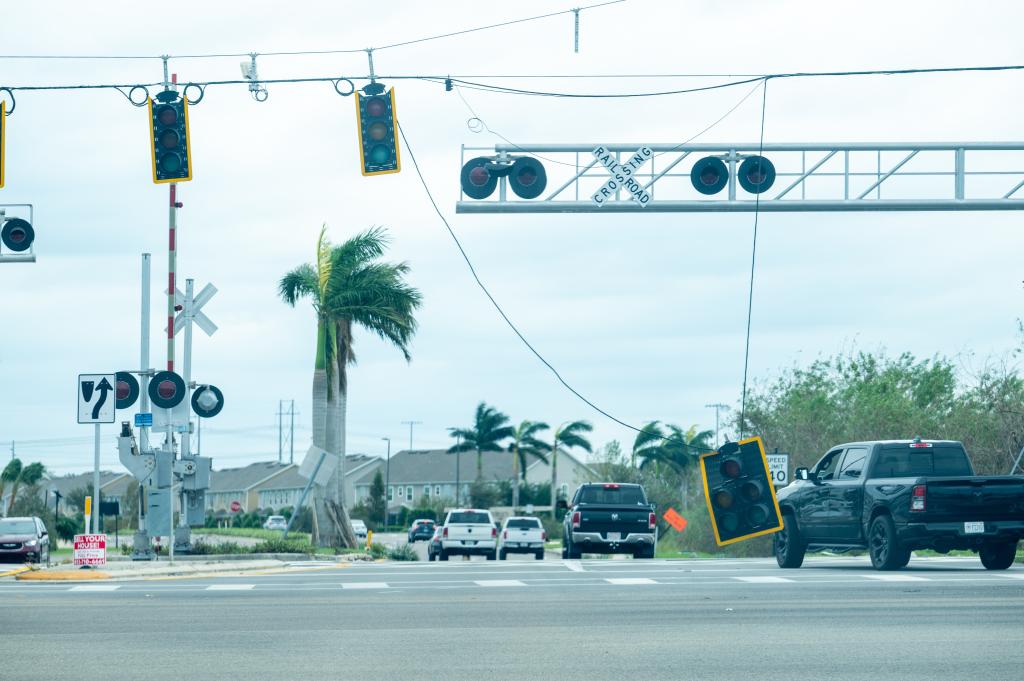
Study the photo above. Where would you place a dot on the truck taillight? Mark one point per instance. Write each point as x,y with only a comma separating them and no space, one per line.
444,534
494,533
543,536
576,520
504,534
652,520
917,498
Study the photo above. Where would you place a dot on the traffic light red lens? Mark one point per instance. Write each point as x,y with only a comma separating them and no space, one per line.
756,515
731,468
709,176
377,131
17,235
170,163
723,499
750,491
376,107
379,154
167,389
756,176
123,390
169,139
526,176
166,115
479,176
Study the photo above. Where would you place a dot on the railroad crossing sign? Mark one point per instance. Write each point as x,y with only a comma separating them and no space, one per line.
622,175
199,317
96,398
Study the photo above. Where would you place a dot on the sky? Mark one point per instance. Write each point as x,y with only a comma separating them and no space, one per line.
645,314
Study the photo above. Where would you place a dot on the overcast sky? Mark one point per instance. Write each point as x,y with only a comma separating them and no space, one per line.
644,314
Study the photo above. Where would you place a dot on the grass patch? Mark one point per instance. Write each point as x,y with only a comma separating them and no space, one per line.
253,532
403,552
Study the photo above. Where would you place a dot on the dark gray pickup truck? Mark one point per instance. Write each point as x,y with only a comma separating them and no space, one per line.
609,517
892,497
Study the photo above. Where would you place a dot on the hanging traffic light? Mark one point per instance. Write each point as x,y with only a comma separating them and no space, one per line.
378,141
166,389
756,174
169,138
739,493
709,175
16,234
207,401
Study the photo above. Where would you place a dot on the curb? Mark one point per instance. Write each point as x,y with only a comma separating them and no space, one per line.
61,576
16,571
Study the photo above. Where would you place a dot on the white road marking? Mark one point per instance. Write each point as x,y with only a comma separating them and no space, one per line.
573,565
765,580
623,581
499,582
230,587
1019,575
364,585
896,578
96,587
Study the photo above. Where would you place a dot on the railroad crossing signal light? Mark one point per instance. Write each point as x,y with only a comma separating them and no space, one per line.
709,175
17,234
207,401
478,178
378,130
526,176
756,174
166,389
126,390
169,138
739,492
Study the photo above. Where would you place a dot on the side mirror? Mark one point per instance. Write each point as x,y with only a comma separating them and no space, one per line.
802,474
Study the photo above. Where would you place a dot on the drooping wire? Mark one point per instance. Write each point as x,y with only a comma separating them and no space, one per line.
508,321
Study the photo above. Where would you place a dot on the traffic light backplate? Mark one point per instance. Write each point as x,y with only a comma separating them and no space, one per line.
739,492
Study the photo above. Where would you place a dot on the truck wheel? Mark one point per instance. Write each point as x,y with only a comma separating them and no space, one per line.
789,545
998,556
493,555
646,552
884,545
540,555
565,551
573,552
443,555
502,554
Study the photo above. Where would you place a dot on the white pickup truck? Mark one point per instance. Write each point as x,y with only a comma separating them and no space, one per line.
469,532
521,535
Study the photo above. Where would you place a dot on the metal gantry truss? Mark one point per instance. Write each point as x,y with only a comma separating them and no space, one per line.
889,176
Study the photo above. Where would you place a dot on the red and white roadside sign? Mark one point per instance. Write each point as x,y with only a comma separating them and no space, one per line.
90,549
235,507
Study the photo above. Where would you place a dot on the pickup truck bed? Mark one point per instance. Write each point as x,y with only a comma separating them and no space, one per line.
609,518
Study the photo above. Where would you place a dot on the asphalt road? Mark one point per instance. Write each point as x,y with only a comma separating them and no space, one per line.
536,620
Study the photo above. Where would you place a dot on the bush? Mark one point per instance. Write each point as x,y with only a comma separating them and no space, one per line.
378,550
201,548
284,546
552,527
403,552
68,527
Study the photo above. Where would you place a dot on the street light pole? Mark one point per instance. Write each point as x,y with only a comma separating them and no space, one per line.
458,458
717,406
387,481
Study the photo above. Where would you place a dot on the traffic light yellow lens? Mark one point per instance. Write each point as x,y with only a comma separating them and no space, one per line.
379,154
166,115
751,491
169,139
170,163
723,499
377,131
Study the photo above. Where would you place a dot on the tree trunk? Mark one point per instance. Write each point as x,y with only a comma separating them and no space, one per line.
479,465
515,479
684,488
324,535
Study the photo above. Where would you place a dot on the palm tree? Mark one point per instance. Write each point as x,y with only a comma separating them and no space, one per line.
524,443
490,427
348,287
567,435
9,475
25,476
676,449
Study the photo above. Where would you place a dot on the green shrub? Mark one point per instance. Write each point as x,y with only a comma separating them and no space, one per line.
201,548
284,546
378,550
403,552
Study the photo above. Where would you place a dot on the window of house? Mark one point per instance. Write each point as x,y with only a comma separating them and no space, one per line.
408,493
391,493
437,490
426,491
401,492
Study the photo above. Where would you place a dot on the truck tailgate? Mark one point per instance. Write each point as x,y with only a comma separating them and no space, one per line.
975,498
625,520
465,532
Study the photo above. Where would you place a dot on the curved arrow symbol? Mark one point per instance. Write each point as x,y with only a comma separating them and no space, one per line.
103,388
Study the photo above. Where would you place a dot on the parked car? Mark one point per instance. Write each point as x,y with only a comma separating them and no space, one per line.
275,522
469,532
894,496
359,527
434,544
521,535
24,540
609,518
421,529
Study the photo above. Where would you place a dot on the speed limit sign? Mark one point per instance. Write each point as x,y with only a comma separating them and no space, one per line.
778,465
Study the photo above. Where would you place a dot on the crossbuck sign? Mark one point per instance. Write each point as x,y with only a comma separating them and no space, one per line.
622,175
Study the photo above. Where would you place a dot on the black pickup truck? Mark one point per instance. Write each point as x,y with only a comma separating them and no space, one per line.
892,497
609,518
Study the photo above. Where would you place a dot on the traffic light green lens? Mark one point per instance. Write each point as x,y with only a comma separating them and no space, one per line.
751,491
731,468
729,522
166,115
170,163
377,131
169,139
376,107
379,154
756,515
723,499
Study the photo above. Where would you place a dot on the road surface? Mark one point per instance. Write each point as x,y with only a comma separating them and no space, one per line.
539,620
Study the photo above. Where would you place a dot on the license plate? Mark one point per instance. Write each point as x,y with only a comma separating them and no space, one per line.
614,536
468,542
974,528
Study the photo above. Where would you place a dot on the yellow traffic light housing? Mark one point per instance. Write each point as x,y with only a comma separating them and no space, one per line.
739,493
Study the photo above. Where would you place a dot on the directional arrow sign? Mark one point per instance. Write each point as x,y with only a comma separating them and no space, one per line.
96,398
200,318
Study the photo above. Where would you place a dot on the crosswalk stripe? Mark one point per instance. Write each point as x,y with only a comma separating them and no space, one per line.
364,585
499,582
95,587
1018,575
765,580
896,578
573,565
624,581
230,587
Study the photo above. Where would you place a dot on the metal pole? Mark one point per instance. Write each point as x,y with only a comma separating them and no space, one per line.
186,444
387,482
144,353
458,460
172,261
169,444
280,430
96,480
302,499
291,436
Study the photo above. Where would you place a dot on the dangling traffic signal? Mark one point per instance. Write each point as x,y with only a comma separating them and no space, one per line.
378,141
166,389
739,493
16,234
709,175
169,139
756,174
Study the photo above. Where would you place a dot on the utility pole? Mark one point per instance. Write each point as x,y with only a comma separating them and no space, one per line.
387,482
458,459
411,424
280,430
717,406
281,437
291,435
